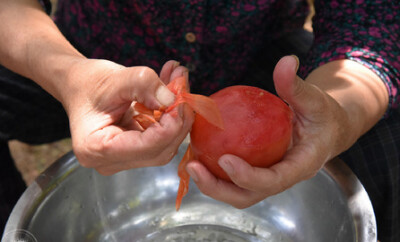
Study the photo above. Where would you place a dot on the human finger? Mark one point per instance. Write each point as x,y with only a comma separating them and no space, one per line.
249,184
139,84
219,189
299,94
113,149
179,71
167,70
296,166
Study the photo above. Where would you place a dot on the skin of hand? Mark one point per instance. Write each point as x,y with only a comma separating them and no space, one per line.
96,94
337,103
100,110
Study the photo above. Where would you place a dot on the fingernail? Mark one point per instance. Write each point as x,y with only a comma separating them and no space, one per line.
226,166
164,96
176,64
297,62
192,174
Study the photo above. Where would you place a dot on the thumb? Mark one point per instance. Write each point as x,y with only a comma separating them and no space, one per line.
299,94
142,84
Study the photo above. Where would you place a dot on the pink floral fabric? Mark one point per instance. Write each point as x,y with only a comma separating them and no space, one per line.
365,31
229,34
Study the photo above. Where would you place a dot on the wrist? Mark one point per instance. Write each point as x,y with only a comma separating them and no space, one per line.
359,93
83,78
33,46
54,74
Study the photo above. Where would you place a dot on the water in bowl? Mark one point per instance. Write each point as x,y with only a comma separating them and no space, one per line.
192,225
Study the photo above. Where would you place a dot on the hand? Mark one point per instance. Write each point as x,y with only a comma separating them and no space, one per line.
320,132
104,135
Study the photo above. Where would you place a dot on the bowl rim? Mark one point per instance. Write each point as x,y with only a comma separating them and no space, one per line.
358,201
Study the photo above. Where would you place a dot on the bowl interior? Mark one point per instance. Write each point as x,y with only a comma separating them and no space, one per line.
72,203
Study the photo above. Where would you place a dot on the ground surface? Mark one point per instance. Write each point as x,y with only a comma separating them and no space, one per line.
32,160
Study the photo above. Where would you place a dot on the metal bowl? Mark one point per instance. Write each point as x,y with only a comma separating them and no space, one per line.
71,203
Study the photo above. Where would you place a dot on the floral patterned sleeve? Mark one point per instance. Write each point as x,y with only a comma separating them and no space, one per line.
365,31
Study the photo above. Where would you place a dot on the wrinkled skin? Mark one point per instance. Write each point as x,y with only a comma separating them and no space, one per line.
338,102
104,135
330,113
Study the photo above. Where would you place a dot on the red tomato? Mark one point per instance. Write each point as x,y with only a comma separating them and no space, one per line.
257,128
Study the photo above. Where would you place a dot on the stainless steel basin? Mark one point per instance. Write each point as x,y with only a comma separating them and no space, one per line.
71,203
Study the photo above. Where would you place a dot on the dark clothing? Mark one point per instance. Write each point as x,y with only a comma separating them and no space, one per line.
222,49
375,159
28,114
31,115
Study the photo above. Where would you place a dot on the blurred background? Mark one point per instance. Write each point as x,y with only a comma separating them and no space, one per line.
32,160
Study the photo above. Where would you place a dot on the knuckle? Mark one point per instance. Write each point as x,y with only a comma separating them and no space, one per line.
149,71
278,185
249,200
168,138
145,75
105,172
283,188
299,90
161,161
241,180
92,155
99,149
83,158
206,191
244,179
84,163
151,158
170,156
240,206
167,157
145,79
310,175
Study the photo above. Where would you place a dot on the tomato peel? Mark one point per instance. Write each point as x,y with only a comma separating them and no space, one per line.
204,106
241,120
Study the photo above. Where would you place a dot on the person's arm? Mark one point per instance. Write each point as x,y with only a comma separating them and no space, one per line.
97,94
32,45
352,79
366,33
358,91
337,104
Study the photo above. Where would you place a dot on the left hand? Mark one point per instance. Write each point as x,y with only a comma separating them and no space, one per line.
321,131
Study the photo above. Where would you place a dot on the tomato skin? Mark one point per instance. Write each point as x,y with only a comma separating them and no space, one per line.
257,128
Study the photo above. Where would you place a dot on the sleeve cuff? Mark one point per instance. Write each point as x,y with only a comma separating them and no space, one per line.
372,60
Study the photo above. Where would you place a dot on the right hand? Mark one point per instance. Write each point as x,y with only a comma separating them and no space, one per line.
99,107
